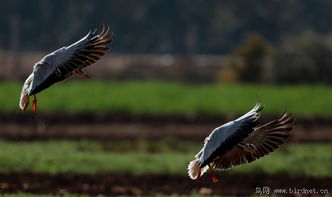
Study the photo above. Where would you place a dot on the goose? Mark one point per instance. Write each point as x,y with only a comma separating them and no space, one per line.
240,141
64,63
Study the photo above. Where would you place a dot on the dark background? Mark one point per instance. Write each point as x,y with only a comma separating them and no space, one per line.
158,26
176,70
290,39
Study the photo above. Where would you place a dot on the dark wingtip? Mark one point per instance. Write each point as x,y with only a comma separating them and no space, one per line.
93,31
258,107
287,117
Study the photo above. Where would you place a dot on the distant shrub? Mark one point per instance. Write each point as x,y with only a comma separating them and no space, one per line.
253,50
226,75
305,59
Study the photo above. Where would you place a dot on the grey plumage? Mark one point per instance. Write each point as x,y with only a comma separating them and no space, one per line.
64,62
228,135
241,141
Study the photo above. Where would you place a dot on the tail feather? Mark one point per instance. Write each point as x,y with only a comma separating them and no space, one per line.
24,101
193,169
25,92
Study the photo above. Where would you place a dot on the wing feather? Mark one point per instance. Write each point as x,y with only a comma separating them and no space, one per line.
225,137
266,139
62,63
82,53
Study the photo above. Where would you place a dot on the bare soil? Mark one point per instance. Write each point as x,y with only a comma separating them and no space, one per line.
117,184
116,127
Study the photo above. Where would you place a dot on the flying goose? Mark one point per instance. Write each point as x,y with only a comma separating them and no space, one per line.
240,141
63,63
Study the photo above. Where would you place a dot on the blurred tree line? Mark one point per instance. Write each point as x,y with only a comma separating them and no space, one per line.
159,26
279,41
306,58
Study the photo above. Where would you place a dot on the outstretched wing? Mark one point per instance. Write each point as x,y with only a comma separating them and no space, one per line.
80,54
265,138
63,62
224,138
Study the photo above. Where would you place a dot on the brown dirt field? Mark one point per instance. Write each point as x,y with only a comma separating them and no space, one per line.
117,127
116,184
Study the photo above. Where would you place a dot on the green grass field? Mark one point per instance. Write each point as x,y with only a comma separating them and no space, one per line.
158,157
137,97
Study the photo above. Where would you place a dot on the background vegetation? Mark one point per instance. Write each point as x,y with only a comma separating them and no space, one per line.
278,41
90,157
164,98
206,58
157,26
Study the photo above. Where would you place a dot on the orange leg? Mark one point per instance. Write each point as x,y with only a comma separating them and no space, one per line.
213,175
81,74
250,150
34,103
198,178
